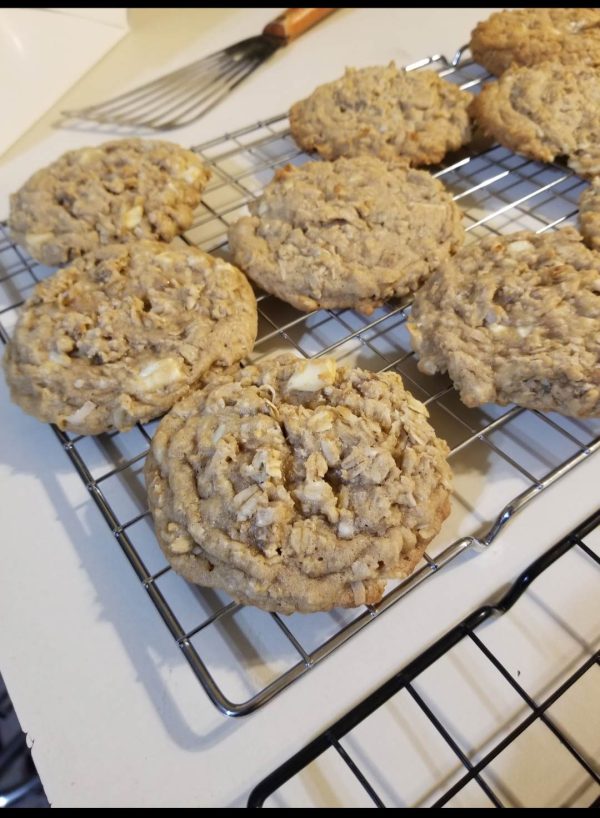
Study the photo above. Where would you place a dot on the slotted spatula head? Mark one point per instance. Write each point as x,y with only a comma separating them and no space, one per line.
185,95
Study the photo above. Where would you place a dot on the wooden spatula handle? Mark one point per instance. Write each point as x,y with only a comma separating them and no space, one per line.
294,22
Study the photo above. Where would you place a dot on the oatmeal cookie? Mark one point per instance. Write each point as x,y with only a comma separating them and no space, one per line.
530,36
350,233
384,111
589,214
299,485
124,190
516,319
124,332
546,112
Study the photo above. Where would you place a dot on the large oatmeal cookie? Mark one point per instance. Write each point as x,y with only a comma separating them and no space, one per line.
124,190
384,111
299,485
545,112
350,233
124,332
516,319
529,36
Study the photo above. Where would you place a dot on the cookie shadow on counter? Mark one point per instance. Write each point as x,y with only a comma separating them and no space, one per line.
119,598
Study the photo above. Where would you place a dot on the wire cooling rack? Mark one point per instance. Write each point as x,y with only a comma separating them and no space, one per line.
467,758
242,656
19,782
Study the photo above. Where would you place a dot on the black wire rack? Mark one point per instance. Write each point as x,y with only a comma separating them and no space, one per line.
562,715
19,782
243,657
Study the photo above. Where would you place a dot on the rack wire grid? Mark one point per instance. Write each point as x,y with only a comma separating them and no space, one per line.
243,656
494,728
19,782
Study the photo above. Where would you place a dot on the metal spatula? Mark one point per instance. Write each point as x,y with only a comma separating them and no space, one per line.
185,95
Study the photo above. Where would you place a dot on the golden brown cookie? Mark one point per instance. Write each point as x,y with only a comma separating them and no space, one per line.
124,332
299,485
516,319
124,190
530,36
545,112
414,117
350,233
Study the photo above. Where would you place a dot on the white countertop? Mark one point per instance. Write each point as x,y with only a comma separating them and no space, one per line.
115,716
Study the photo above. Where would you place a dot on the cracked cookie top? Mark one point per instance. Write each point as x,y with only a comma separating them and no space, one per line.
516,319
298,485
415,117
124,332
350,233
123,190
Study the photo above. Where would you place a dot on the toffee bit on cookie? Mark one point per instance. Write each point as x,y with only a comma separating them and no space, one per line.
311,376
159,374
313,507
516,319
124,190
78,417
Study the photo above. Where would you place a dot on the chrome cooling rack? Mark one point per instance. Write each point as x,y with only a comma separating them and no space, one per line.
242,656
478,716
